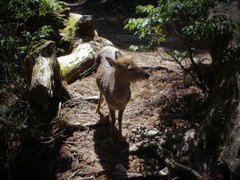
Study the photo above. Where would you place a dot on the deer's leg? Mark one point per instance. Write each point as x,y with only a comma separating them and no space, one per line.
120,115
112,115
99,103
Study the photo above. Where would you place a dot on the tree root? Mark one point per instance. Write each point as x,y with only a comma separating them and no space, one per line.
171,164
179,168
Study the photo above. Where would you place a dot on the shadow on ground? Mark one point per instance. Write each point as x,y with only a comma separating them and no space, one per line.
113,158
39,160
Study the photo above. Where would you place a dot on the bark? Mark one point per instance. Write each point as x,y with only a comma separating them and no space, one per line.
222,126
86,26
41,88
43,74
230,152
81,59
41,84
220,132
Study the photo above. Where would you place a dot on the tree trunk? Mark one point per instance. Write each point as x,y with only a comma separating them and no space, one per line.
43,74
222,126
221,130
230,152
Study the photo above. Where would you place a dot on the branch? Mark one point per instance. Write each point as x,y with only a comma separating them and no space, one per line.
176,59
157,68
202,84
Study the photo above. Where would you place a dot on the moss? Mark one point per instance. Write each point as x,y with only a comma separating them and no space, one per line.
78,25
69,32
65,44
70,27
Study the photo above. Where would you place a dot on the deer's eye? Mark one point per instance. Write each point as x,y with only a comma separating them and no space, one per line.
130,69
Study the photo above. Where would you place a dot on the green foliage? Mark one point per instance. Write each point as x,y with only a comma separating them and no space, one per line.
190,21
28,8
70,28
190,16
16,39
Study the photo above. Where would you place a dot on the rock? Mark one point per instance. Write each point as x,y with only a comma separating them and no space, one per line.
134,131
133,149
152,133
164,172
119,168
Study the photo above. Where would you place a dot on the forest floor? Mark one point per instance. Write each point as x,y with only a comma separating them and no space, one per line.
158,106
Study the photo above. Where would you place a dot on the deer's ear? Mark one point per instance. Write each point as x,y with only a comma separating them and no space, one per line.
118,55
111,62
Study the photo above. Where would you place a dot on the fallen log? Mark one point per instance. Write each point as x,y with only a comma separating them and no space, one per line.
74,64
42,72
41,88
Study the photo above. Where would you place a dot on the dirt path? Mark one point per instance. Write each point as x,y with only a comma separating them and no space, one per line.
156,107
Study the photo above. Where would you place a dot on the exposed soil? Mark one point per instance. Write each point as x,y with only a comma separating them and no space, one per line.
158,105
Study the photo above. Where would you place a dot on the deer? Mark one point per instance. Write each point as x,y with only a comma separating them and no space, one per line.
113,77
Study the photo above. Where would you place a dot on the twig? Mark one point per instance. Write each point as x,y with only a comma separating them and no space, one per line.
59,110
73,174
127,175
201,83
124,175
87,72
91,98
96,124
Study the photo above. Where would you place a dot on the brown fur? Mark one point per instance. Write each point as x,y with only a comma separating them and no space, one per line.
113,79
